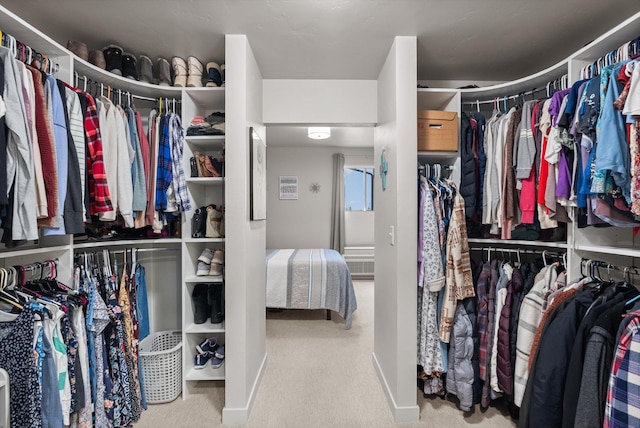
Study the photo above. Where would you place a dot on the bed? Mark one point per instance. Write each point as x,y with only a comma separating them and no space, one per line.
310,279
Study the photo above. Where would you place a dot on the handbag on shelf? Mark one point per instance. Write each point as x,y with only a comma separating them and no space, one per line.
199,223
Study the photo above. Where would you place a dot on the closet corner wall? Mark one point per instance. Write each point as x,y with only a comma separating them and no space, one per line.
172,278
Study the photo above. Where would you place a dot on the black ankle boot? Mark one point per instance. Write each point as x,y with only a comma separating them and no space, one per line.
129,68
216,299
113,59
201,306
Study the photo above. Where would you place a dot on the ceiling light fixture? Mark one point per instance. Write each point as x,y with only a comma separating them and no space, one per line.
319,133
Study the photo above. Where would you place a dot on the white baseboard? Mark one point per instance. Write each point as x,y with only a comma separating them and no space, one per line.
240,415
400,414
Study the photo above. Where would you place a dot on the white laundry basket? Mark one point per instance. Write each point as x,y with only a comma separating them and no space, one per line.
161,358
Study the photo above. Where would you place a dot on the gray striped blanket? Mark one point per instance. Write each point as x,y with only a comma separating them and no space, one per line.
310,279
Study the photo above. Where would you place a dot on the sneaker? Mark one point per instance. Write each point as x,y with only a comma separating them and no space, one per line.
216,362
215,269
202,360
218,257
203,269
208,346
206,256
219,352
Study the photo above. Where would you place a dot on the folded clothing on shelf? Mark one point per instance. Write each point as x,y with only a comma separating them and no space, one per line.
213,124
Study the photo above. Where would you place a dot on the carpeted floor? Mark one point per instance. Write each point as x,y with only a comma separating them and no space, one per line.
318,375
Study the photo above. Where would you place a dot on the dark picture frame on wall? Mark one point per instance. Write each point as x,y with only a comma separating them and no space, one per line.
257,176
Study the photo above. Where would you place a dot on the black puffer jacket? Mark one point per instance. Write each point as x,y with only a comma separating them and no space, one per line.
467,186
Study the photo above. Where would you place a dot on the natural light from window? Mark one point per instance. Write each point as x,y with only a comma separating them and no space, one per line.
358,188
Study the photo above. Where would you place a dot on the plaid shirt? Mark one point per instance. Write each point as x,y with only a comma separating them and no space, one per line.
623,394
177,148
99,197
165,171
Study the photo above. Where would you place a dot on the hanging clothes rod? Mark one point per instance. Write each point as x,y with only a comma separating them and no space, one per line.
145,250
89,81
629,50
560,83
24,53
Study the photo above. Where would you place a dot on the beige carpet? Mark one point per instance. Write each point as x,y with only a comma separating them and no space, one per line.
318,375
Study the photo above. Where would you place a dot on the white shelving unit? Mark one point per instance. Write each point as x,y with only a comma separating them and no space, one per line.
203,191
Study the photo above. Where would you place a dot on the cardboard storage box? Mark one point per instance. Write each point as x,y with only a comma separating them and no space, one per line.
437,130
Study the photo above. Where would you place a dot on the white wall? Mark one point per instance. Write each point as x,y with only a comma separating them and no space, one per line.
306,222
395,317
309,101
245,292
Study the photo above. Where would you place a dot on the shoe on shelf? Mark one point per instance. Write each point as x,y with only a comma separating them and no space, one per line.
206,256
164,72
202,360
216,300
219,352
214,217
214,75
218,256
218,358
113,59
203,269
222,71
201,306
216,269
78,48
96,58
129,67
207,346
179,67
146,69
194,80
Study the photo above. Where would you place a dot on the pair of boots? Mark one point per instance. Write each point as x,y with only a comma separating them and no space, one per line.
119,62
161,75
208,303
187,73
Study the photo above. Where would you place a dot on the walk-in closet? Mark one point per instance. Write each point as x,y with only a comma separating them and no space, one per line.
455,188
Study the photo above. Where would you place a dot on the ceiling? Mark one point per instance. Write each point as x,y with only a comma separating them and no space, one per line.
464,40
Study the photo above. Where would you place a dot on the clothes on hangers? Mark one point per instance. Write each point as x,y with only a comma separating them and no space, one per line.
74,156
444,276
86,370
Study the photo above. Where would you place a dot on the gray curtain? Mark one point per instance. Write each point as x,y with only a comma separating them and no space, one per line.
337,204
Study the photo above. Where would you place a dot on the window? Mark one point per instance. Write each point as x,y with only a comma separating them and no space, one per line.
358,189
